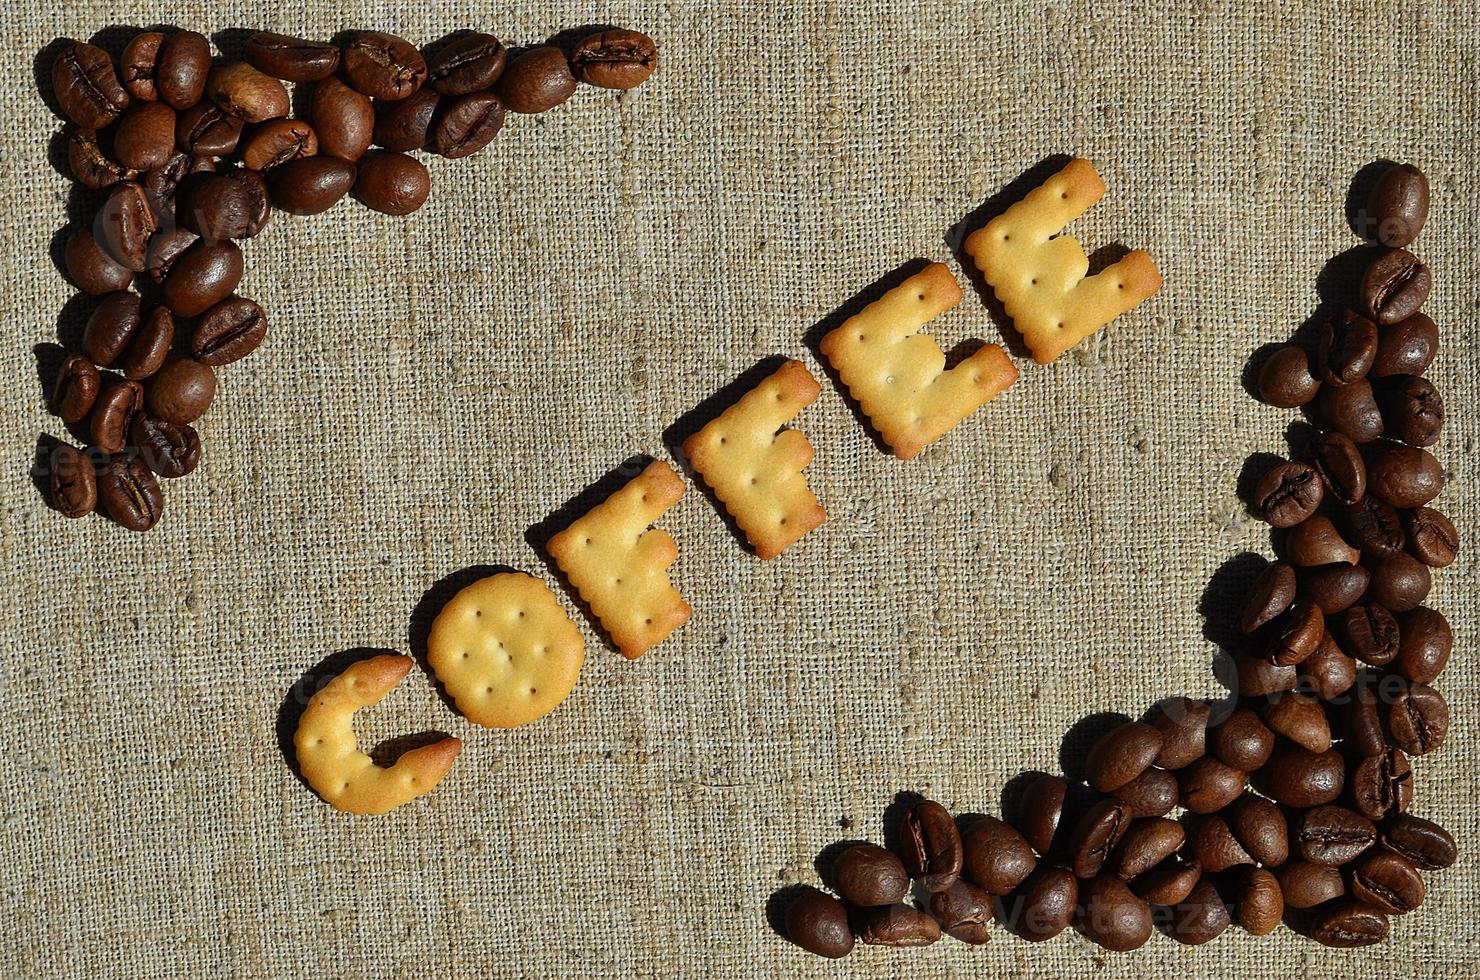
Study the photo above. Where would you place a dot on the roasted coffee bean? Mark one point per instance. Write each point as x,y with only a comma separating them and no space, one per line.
124,224
1349,924
76,389
1399,205
1241,740
1417,718
162,184
129,493
1401,582
1412,410
1183,724
867,875
205,129
1168,883
1346,348
1371,633
470,63
1112,915
383,66
1424,843
229,204
228,331
1374,527
406,124
91,268
1258,903
148,346
1352,410
1342,470
536,80
1201,917
1154,793
997,857
112,414
1040,810
392,183
71,482
1285,379
181,391
1258,826
92,167
1305,884
1334,588
1095,836
165,246
1301,719
1387,881
468,125
614,59
1425,644
1394,286
1145,845
86,86
310,185
243,91
277,141
1297,633
1044,904
1299,778
1208,784
1256,676
1315,541
1329,672
1406,347
168,449
1432,539
964,912
1288,494
818,923
930,846
1332,835
145,135
1381,784
1406,476
897,925
1271,595
343,119
136,67
292,59
1121,755
203,276
1361,723
110,327
181,68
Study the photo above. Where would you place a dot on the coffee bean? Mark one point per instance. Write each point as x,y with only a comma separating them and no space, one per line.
243,91
536,80
205,129
145,135
162,184
1288,494
1183,724
1256,676
1371,633
468,125
1209,784
1394,286
310,185
1349,924
1432,539
129,493
124,224
181,391
229,204
181,69
996,856
1328,673
818,923
343,119
1168,883
1145,844
963,911
1201,917
1241,741
110,327
149,345
1388,882
1300,778
1331,835
1334,588
1425,645
168,449
471,63
1305,884
1297,633
76,389
1040,810
292,59
867,875
1406,476
1315,541
203,276
614,59
1424,843
1381,784
71,482
1412,410
1340,465
1095,836
1374,527
1417,718
931,846
406,124
1258,904
1362,724
228,331
1113,916
1154,793
137,66
1352,410
1258,826
1401,582
1399,205
383,66
92,167
1406,347
1271,595
392,183
1301,719
91,268
86,86
1345,348
1121,755
165,246
276,142
1044,904
897,925
1285,379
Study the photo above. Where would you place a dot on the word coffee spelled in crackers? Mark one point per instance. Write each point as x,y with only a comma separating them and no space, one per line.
505,650
755,470
333,765
1041,279
899,376
620,567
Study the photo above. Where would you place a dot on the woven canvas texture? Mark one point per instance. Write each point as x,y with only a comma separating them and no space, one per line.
434,387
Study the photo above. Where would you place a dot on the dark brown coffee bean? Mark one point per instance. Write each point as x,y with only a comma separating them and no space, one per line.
1040,810
1339,462
1346,348
86,86
392,183
1374,527
536,80
818,923
124,224
112,414
1258,903
129,493
1305,884
310,185
1242,740
1315,541
170,450
1285,379
292,59
1270,596
1425,645
1201,917
1406,476
1332,835
1401,582
1381,784
181,68
110,327
91,268
1297,633
1095,836
1387,881
137,66
1394,286
1334,588
1371,633
228,204
471,63
1044,904
1424,843
1288,494
1301,719
1208,784
1256,676
243,91
203,276
181,391
149,345
1154,793
964,912
1352,410
1399,205
383,66
406,124
1258,826
71,482
145,135
1432,539
162,184
897,925
1112,916
1146,844
1183,724
165,246
614,59
76,389
343,119
468,125
205,129
1121,755
1361,723
1406,347
92,167
228,331
1329,672
1300,778
276,142
1349,924
867,875
1412,410
997,857
1168,883
930,846
1417,718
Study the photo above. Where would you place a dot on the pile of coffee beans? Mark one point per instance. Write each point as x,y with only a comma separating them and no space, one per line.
190,154
1294,790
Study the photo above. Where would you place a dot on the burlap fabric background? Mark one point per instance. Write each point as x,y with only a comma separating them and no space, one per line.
433,387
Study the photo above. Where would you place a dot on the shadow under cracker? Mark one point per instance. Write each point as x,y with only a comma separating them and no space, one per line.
424,613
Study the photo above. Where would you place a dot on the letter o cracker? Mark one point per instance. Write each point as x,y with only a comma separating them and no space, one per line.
505,650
